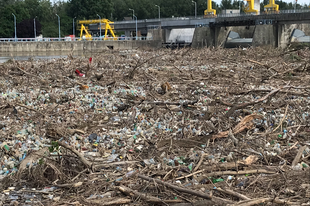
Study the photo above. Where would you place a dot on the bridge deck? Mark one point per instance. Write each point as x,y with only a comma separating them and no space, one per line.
254,19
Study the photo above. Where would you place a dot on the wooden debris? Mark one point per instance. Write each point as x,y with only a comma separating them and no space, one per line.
145,196
298,155
246,123
166,87
110,201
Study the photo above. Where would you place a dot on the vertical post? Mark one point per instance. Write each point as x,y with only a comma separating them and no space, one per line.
15,26
58,27
100,26
73,28
34,27
158,11
133,17
195,8
136,27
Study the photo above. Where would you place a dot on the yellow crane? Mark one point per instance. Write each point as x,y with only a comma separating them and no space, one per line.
250,7
87,34
209,12
104,22
272,7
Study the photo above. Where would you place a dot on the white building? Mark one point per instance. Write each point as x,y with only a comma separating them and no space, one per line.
231,11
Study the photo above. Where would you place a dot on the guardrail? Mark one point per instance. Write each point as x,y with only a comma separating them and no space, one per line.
73,39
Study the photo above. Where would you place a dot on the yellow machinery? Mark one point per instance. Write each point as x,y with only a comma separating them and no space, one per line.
87,35
271,8
104,22
209,12
250,7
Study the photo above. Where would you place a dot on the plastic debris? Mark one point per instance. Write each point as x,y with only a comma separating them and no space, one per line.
176,117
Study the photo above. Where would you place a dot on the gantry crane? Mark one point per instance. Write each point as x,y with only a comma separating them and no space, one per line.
209,12
271,7
250,7
107,27
87,34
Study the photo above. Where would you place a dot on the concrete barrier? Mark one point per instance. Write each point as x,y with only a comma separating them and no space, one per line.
75,46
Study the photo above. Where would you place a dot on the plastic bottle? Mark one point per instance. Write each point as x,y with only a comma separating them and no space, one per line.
112,157
128,174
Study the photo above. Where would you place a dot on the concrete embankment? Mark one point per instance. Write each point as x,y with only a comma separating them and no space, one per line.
77,46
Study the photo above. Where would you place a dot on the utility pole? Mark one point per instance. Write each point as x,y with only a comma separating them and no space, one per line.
15,26
158,11
136,27
58,27
195,8
100,26
34,27
133,12
133,17
73,28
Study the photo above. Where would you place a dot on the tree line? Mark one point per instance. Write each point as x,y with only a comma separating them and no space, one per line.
43,12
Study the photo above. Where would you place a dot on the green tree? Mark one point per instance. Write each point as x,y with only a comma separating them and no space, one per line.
89,9
32,6
236,4
217,7
7,19
26,28
262,4
226,4
119,10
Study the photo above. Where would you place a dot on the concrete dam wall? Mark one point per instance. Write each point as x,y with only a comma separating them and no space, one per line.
76,46
277,35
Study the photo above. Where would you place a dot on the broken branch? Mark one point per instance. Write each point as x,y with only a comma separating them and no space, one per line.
82,158
298,155
240,106
143,196
236,194
180,189
106,202
238,172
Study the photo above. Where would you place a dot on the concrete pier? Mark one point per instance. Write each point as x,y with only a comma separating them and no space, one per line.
273,35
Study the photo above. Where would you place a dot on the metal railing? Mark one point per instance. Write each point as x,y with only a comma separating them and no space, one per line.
218,15
294,11
262,13
120,38
73,39
31,39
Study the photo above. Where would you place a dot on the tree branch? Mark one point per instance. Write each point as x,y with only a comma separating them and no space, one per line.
240,106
